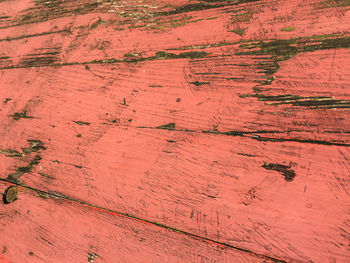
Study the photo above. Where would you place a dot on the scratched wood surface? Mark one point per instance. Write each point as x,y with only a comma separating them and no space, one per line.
50,229
216,128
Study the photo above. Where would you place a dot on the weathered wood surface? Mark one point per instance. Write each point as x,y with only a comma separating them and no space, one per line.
223,125
54,229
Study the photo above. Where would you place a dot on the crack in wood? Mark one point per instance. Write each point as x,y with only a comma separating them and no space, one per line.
160,55
250,134
8,39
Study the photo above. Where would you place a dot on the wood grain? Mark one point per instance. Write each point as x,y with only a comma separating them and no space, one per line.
38,228
226,121
215,186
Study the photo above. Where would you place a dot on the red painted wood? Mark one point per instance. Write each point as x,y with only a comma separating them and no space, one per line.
37,229
213,185
201,141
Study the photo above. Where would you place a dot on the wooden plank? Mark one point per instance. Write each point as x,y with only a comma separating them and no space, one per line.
265,92
214,94
99,36
39,228
258,196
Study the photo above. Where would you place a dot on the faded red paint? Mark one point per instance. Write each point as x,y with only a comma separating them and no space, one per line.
166,138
